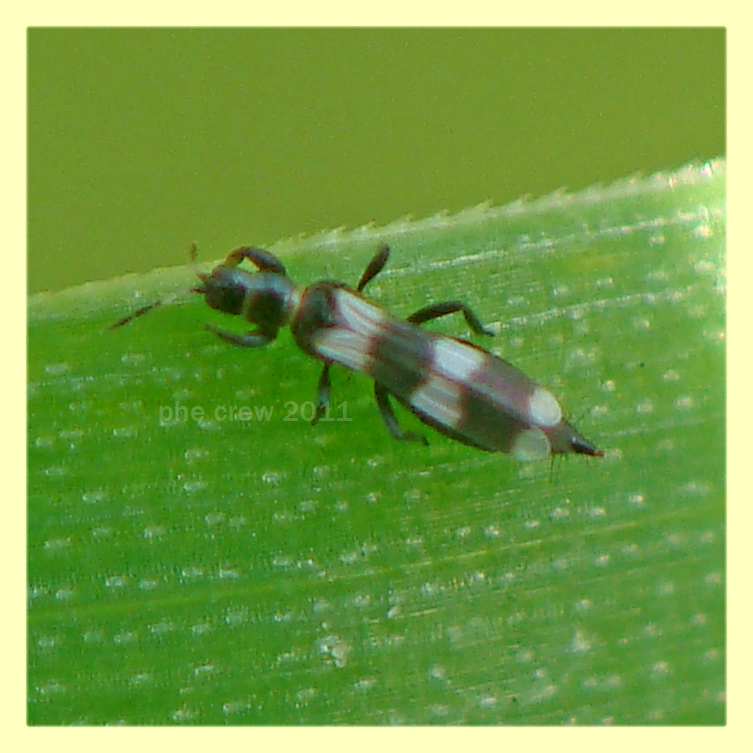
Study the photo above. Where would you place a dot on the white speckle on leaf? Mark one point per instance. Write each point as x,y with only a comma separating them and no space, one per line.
124,638
53,687
336,649
201,628
707,537
235,707
236,616
195,454
133,359
191,486
57,544
645,406
94,497
321,605
413,495
713,579
703,230
439,710
56,471
437,672
213,519
695,488
273,478
161,628
183,715
237,522
70,434
580,643
350,557
117,581
125,432
524,656
57,369
660,670
204,669
308,505
636,499
364,684
47,642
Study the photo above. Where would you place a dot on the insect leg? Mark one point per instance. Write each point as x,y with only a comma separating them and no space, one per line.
435,310
390,420
263,260
322,394
253,339
376,265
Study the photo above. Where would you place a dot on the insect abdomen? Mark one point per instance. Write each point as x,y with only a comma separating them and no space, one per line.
461,390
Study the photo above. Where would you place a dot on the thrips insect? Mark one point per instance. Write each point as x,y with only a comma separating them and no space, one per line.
454,386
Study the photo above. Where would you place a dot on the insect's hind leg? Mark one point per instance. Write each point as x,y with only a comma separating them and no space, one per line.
390,419
376,265
435,310
323,391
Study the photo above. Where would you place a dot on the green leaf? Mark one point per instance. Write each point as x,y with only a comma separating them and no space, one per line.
215,571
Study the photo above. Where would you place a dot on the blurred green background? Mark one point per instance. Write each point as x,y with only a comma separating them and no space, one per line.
144,140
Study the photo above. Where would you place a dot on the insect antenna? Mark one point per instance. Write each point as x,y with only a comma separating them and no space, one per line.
168,299
143,310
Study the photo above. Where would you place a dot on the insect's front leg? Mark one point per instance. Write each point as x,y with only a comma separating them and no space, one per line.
263,260
254,339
